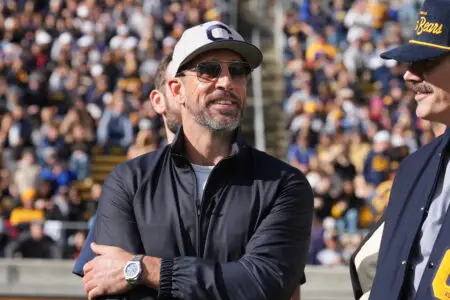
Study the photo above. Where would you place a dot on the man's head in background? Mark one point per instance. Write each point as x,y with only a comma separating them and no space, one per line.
427,53
163,102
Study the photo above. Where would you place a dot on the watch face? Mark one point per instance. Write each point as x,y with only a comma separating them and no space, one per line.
132,270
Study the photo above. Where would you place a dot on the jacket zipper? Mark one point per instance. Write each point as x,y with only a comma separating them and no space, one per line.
199,210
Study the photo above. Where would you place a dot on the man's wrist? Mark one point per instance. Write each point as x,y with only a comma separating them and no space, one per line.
133,270
151,267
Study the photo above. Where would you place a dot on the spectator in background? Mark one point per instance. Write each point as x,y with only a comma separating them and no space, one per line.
33,244
346,209
331,255
45,189
115,129
19,134
76,206
299,155
316,17
26,176
51,140
358,150
58,207
145,142
76,243
77,117
357,20
24,214
79,159
377,161
317,241
377,200
57,173
319,47
3,96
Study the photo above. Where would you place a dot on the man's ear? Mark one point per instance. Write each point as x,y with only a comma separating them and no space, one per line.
176,88
157,99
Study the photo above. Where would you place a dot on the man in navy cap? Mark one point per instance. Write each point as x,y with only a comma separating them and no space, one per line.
414,257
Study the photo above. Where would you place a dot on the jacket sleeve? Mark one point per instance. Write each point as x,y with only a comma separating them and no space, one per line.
115,224
86,254
272,265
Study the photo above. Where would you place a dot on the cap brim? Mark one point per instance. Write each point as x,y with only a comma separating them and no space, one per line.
413,52
250,53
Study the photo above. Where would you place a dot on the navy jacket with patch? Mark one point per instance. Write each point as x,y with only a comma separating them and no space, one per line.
410,197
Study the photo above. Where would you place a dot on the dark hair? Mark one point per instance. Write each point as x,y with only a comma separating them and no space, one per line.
160,75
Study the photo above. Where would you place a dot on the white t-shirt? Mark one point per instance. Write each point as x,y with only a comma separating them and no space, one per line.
202,174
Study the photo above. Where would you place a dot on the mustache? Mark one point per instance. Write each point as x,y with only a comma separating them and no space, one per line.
220,95
419,87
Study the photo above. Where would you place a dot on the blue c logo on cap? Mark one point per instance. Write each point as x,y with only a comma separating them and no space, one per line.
209,33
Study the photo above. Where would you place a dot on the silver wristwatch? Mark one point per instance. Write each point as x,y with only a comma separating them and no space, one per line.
133,270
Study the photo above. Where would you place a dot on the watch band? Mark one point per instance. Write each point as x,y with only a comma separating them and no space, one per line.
138,258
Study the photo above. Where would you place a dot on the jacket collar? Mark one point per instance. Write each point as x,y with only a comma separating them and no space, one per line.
178,145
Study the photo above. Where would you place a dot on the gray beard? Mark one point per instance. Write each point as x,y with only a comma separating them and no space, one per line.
204,119
173,122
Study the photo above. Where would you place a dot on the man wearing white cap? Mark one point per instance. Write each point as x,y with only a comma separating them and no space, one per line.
376,164
203,218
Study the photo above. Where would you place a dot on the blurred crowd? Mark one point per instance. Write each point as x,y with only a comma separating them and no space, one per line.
75,75
349,117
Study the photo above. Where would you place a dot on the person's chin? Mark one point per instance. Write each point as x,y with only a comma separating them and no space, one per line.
422,113
425,112
225,122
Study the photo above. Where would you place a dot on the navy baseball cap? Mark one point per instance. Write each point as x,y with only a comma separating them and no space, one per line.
431,36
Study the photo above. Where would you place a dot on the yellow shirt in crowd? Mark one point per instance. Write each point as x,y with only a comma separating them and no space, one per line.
21,215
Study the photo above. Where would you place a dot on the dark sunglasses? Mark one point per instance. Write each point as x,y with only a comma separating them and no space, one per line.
211,70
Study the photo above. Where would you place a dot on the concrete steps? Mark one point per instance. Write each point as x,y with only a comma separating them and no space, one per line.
103,163
272,92
327,283
272,81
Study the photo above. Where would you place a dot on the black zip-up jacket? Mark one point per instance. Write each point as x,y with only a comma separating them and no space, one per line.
247,240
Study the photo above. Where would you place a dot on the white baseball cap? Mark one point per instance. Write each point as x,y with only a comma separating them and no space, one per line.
382,136
43,38
96,70
211,36
83,11
65,38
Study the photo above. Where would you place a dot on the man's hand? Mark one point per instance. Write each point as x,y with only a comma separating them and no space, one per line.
104,274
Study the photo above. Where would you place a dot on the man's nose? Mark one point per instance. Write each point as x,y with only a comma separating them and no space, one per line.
225,80
411,75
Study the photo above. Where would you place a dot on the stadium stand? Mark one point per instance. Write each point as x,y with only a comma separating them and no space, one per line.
349,117
74,83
